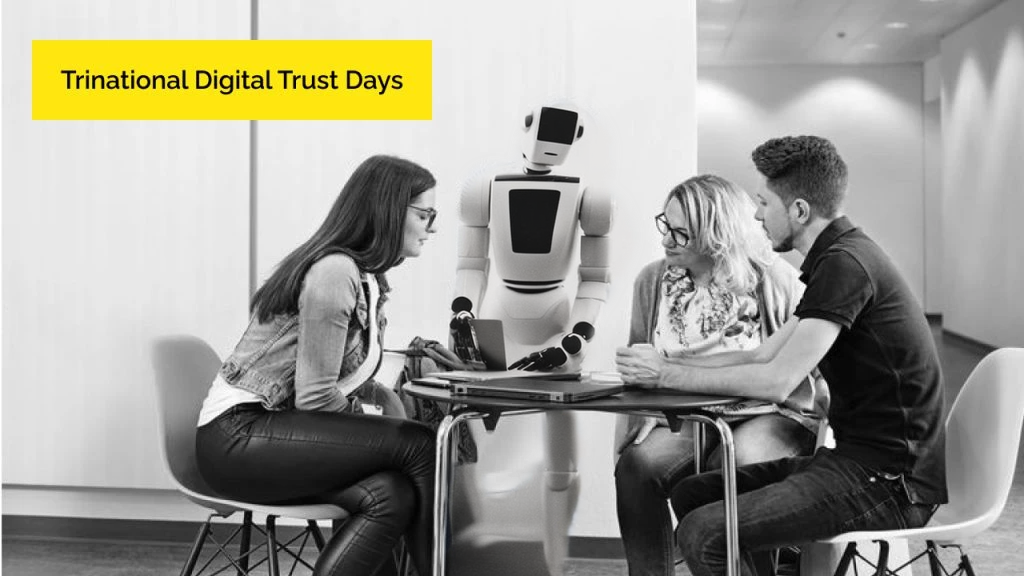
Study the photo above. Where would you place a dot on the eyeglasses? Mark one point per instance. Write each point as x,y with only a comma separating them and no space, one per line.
680,237
430,213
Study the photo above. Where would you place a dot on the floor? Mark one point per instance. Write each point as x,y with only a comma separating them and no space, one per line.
997,551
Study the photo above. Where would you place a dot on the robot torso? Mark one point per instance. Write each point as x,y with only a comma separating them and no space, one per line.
534,229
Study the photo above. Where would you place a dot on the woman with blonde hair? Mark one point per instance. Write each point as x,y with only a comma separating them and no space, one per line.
719,288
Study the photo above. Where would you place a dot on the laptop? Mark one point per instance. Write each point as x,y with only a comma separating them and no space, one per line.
481,345
546,390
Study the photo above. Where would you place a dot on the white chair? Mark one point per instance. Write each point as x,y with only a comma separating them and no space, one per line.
983,433
185,366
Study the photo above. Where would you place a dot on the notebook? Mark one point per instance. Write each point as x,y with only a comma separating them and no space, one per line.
548,390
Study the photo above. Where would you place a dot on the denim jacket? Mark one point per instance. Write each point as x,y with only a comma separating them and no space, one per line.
295,360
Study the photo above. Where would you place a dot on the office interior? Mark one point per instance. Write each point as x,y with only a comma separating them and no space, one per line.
115,233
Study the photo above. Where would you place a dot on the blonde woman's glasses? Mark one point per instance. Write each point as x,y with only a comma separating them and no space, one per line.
680,237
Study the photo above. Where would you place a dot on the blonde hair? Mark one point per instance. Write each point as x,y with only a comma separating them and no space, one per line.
720,217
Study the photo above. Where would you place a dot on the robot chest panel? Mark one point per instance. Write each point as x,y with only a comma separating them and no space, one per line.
533,226
535,217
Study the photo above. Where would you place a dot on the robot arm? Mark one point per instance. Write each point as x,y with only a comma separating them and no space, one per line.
595,278
595,220
474,243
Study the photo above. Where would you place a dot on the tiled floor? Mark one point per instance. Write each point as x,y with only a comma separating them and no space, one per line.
997,551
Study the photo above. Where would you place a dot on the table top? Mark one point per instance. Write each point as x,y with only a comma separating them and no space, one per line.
628,400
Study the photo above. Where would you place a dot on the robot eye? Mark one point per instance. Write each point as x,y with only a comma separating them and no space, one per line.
579,132
529,119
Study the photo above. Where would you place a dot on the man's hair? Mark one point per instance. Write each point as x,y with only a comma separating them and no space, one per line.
807,167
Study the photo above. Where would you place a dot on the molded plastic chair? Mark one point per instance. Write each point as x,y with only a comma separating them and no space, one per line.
185,366
982,436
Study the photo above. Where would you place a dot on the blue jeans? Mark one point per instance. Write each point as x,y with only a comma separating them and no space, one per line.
787,502
648,474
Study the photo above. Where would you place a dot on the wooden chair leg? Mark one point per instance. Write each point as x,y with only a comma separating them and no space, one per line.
965,564
197,548
883,557
318,537
243,544
848,555
272,567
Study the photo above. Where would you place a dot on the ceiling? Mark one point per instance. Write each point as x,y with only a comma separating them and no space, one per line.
828,31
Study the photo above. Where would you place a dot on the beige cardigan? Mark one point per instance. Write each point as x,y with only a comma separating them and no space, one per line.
778,293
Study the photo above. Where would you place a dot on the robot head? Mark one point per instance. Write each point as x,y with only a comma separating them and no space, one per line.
549,133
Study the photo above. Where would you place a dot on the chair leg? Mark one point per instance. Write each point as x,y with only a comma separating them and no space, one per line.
934,565
197,548
243,544
965,565
272,567
883,557
318,538
848,556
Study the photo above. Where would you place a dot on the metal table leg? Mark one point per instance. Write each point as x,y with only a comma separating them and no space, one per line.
732,540
444,475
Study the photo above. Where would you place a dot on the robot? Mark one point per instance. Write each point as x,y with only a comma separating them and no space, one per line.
529,224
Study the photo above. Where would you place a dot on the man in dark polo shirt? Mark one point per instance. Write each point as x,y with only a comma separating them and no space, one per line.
860,324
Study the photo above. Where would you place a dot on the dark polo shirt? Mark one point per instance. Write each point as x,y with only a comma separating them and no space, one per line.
883,370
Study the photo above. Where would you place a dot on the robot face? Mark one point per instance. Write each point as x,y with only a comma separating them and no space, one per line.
550,133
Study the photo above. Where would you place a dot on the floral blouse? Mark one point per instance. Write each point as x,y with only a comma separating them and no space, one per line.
700,320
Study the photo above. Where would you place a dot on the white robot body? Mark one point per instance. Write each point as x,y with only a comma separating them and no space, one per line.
534,226
530,225
538,325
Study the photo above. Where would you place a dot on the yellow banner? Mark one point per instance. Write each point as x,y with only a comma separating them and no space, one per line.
231,80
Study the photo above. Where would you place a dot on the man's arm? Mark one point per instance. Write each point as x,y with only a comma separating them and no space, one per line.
772,381
763,353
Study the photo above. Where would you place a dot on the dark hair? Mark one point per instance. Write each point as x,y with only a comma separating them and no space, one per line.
366,222
807,167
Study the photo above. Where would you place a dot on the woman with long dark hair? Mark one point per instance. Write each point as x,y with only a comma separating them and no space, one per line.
282,422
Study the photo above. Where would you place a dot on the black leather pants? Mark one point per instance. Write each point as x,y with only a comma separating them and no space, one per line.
379,469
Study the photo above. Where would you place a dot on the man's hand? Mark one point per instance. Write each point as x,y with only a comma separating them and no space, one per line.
640,366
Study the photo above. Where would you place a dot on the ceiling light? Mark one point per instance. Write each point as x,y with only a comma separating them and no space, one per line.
896,25
870,46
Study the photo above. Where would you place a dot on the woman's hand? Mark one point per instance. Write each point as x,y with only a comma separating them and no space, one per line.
377,394
640,366
637,430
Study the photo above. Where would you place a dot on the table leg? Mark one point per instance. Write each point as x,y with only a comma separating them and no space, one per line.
444,469
732,540
698,447
729,474
444,474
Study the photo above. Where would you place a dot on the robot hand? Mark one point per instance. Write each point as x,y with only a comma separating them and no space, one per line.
461,313
572,346
462,338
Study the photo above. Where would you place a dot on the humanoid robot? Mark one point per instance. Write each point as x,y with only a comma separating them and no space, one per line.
529,222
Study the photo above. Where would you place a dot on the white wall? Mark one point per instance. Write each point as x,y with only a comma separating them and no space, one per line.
114,232
873,114
983,176
492,64
150,223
